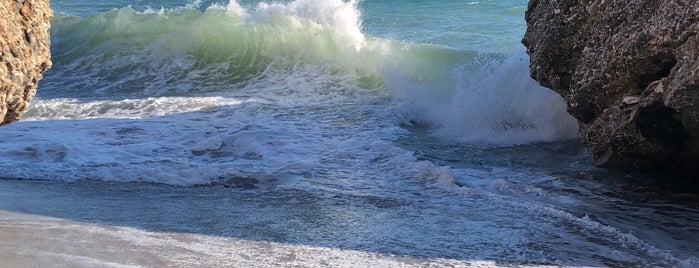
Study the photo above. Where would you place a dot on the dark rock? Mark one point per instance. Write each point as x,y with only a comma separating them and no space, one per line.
629,72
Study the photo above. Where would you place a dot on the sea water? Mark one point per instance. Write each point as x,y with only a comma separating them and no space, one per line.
407,129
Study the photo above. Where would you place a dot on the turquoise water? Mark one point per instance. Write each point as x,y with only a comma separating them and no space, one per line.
403,128
495,26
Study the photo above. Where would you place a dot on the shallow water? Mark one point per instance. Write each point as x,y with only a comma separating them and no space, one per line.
354,134
491,215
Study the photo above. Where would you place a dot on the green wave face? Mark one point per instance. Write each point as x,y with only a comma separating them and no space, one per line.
225,48
300,53
153,53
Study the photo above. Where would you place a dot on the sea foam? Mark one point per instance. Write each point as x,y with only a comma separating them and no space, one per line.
189,95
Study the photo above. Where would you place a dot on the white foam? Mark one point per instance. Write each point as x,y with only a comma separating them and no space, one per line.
435,176
235,9
343,17
271,136
497,104
127,108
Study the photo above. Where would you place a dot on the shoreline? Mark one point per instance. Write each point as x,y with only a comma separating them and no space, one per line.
89,223
39,241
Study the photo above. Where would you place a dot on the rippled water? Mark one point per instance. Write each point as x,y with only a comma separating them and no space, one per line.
372,133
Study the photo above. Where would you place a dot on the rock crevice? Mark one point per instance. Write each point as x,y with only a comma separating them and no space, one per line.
629,72
24,53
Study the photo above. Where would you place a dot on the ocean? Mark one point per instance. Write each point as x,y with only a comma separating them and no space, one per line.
314,133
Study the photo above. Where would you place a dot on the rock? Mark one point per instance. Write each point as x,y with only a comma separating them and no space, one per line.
629,100
629,72
24,53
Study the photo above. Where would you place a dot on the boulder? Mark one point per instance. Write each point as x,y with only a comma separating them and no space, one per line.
629,72
24,53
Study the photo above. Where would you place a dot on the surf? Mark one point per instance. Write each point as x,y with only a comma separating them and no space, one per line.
461,94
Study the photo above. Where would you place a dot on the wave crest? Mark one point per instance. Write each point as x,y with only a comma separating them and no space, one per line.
264,50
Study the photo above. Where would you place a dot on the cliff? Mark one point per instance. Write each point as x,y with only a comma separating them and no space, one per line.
629,72
24,53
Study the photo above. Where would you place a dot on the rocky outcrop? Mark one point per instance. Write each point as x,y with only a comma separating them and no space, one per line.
24,53
629,71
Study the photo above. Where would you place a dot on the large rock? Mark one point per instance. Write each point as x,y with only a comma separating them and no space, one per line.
24,53
629,71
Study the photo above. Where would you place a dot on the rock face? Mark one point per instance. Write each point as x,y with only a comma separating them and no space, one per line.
24,53
629,72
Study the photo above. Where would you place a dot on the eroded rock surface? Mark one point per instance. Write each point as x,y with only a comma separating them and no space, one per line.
629,71
24,53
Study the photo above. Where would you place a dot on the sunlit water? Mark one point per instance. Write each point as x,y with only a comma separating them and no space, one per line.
407,130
